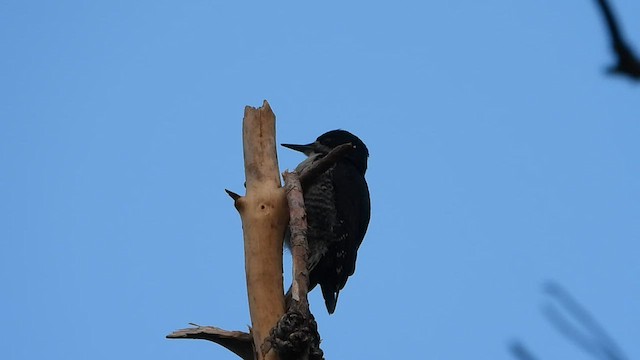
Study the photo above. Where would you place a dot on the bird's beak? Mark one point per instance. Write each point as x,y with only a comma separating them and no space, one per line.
306,149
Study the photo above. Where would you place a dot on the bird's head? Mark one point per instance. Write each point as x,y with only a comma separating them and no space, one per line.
326,142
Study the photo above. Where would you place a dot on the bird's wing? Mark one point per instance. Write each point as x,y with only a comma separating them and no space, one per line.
354,209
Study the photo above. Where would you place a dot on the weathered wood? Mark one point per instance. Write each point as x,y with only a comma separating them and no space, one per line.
298,238
240,343
264,219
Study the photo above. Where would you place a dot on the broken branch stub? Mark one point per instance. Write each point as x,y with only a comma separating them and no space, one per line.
238,342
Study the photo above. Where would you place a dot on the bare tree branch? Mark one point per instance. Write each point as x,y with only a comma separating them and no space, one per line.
240,343
296,334
298,231
520,352
325,163
592,338
627,62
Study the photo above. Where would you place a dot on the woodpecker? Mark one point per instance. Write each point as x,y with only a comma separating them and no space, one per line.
338,211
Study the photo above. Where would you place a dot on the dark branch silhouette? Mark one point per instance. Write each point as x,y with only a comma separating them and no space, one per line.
576,324
592,338
520,352
627,63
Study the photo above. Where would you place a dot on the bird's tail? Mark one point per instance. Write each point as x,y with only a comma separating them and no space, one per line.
330,298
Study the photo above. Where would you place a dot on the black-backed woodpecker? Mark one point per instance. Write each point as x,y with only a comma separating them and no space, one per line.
338,210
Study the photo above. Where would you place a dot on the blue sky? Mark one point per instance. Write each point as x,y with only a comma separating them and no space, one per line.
501,157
